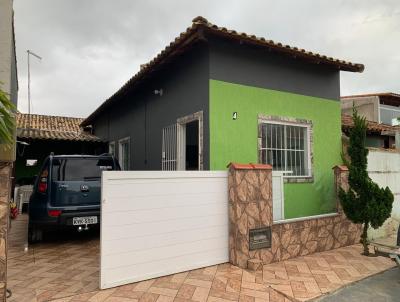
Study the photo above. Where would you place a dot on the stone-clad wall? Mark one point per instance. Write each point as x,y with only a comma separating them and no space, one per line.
5,173
250,206
314,235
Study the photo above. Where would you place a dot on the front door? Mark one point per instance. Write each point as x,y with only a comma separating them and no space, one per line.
182,144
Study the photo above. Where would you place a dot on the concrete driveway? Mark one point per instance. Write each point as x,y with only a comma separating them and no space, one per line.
382,287
58,267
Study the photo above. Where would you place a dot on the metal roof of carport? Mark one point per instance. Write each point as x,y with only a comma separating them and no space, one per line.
196,32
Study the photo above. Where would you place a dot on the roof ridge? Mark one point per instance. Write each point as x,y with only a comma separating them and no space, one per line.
46,115
199,20
187,37
81,130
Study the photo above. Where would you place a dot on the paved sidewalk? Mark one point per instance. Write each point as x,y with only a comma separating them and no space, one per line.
311,276
383,287
216,283
68,270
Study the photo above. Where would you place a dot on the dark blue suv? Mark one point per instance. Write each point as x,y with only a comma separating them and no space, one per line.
67,193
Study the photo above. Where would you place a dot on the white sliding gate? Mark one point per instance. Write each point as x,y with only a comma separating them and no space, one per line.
156,223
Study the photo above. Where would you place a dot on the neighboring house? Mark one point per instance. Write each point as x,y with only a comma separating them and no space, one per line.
378,135
382,108
215,96
39,135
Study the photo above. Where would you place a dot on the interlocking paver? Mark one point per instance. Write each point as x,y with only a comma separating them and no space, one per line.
200,294
69,272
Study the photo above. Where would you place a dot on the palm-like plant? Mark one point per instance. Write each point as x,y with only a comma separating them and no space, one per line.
7,120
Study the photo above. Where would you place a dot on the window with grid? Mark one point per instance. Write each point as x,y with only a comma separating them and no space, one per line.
285,146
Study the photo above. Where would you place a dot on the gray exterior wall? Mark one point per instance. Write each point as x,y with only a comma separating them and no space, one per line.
253,66
141,115
8,68
14,76
367,106
7,71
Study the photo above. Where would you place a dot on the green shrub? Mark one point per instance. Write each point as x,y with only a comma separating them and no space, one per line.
365,202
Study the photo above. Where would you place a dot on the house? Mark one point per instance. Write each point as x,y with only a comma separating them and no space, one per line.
378,135
382,108
39,135
215,96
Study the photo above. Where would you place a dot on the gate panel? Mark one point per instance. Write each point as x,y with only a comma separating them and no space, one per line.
156,223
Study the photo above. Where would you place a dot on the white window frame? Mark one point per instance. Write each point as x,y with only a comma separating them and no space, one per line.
309,148
109,145
121,161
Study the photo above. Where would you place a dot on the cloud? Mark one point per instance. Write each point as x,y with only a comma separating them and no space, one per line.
91,48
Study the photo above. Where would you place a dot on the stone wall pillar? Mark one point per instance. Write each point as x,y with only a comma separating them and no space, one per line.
5,185
250,208
341,181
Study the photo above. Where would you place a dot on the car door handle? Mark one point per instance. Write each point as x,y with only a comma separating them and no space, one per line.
84,188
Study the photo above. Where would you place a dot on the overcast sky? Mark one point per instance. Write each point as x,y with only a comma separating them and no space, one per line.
91,48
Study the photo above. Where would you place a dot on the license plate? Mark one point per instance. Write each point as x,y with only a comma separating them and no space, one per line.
84,220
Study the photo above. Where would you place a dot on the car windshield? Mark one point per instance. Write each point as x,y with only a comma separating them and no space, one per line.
80,169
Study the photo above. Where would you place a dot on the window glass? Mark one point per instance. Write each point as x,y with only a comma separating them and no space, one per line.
284,146
80,169
389,114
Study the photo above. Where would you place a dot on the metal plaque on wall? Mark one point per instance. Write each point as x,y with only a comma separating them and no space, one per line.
260,238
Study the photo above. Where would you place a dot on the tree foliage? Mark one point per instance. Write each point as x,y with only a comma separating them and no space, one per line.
365,202
7,119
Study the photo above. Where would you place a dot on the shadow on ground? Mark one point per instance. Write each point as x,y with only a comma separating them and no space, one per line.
69,235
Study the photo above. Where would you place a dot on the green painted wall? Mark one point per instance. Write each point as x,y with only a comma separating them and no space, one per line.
236,140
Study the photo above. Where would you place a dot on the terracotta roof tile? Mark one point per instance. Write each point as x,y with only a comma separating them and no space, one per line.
194,32
391,94
372,127
250,166
37,126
